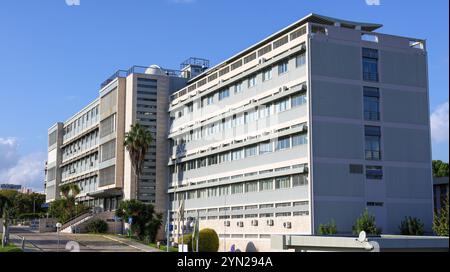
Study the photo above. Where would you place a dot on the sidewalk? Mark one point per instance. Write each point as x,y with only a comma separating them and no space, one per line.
132,243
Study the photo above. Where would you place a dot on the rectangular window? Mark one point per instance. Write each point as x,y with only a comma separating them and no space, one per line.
190,107
299,180
107,176
251,187
372,143
297,100
238,87
236,155
300,60
283,143
299,139
212,192
374,172
224,157
265,184
237,188
251,81
282,183
371,104
250,151
370,64
267,74
283,67
282,105
108,126
224,94
265,147
108,150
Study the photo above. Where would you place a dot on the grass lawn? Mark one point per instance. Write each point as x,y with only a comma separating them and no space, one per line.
10,248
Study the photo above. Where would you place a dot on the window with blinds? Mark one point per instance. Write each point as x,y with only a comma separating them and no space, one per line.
51,174
108,150
52,138
107,176
108,126
281,42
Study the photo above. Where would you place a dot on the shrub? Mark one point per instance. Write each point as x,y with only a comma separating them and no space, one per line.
440,221
97,226
208,241
366,222
187,240
146,222
328,228
411,226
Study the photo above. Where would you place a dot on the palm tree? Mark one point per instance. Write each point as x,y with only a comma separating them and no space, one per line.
69,192
137,142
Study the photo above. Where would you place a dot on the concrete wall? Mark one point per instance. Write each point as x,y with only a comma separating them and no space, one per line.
338,131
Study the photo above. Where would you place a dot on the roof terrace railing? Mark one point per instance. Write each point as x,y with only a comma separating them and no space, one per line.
137,69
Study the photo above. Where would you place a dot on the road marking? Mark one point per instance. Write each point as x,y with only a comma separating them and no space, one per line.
110,238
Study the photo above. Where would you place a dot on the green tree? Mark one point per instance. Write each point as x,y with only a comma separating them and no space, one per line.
440,168
145,221
440,221
137,142
329,228
366,222
5,206
66,207
411,226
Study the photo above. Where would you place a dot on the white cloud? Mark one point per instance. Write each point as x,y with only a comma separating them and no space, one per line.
439,123
8,152
27,170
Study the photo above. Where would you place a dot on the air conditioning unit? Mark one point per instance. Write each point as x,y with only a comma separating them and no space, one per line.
287,225
254,222
240,224
226,223
261,60
270,222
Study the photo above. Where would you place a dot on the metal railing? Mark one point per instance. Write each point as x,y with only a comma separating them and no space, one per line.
137,69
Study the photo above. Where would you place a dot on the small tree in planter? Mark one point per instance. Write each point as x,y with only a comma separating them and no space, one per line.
440,221
329,228
366,222
411,226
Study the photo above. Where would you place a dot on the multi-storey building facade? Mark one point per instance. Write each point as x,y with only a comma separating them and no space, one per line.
88,148
317,122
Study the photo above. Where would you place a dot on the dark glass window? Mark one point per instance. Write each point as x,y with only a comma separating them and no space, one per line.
370,64
372,143
371,104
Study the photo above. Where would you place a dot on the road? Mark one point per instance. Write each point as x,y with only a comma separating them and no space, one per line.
48,242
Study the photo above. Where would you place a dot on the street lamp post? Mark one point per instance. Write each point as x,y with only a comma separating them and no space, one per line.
58,228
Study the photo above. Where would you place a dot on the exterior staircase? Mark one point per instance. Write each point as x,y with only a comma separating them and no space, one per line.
76,222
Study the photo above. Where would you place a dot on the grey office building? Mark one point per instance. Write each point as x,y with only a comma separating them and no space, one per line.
317,122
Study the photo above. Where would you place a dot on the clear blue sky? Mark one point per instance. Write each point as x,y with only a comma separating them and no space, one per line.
54,56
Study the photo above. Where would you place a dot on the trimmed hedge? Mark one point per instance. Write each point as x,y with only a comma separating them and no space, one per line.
208,241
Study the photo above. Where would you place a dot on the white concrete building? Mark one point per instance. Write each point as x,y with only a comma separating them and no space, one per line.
314,123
